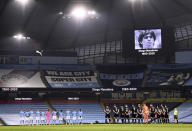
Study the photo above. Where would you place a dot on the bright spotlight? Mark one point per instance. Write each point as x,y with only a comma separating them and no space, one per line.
22,2
20,37
136,1
91,12
79,12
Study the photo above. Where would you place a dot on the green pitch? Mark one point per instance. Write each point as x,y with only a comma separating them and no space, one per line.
102,127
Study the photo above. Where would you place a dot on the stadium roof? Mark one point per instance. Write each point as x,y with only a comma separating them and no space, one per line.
48,25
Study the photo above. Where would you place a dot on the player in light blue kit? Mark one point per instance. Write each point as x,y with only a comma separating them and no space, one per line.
22,117
42,117
74,117
54,117
68,116
80,116
60,117
27,115
31,117
38,114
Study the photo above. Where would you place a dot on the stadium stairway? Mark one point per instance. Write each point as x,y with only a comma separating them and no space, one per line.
2,123
51,108
92,112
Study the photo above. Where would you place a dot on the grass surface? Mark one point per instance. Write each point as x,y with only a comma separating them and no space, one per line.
102,127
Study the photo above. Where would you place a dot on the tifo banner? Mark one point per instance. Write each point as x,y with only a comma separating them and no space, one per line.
70,79
169,75
121,75
20,78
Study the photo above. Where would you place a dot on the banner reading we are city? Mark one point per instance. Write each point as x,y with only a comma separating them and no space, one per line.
70,79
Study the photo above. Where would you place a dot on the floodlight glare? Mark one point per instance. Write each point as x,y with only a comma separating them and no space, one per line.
79,12
92,12
60,13
22,2
20,37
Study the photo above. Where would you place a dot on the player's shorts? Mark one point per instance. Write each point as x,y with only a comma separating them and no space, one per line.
122,116
37,118
54,117
31,118
166,116
74,118
42,118
67,117
152,115
139,116
162,116
133,115
126,116
22,118
107,115
145,115
60,118
116,115
80,117
26,118
175,117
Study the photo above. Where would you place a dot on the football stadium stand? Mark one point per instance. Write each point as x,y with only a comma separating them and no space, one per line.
92,112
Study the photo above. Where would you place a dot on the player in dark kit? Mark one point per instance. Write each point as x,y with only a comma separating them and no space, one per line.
139,114
152,113
134,113
158,112
166,114
116,113
107,114
127,114
122,113
162,114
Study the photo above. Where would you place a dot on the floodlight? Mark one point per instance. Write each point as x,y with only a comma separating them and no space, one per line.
79,12
22,2
19,36
92,12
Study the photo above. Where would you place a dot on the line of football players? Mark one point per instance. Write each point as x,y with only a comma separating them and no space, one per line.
137,114
27,117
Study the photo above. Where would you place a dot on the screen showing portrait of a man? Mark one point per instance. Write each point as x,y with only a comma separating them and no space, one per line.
148,39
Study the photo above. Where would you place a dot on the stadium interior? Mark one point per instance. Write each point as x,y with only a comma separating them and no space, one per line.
90,54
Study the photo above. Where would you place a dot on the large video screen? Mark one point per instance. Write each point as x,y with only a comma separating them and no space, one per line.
148,42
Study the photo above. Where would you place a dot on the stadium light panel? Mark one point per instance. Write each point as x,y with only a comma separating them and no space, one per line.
79,12
20,37
132,1
23,2
91,12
